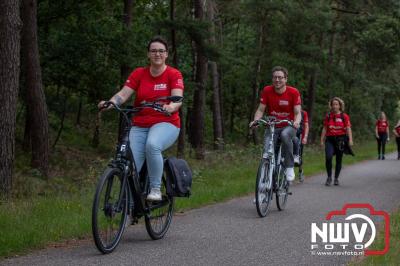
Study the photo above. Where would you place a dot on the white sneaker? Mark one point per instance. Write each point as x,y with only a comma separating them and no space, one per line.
290,174
296,159
154,195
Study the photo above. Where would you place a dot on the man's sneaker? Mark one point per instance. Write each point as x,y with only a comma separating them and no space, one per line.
154,195
296,159
383,157
290,174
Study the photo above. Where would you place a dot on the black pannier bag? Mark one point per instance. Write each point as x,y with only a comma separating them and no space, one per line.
179,177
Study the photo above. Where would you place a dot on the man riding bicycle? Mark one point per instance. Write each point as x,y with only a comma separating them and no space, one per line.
282,102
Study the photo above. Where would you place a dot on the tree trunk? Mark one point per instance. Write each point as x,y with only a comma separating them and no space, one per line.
127,24
174,51
197,118
256,85
331,51
64,112
27,143
311,92
10,26
234,89
36,101
79,113
217,118
311,100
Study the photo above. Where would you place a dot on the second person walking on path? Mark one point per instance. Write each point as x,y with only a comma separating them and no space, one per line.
382,134
396,132
336,134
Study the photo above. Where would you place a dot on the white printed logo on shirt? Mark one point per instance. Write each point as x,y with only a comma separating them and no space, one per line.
283,102
160,87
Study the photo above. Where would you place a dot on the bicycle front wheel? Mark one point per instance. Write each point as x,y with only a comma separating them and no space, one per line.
263,188
109,210
282,190
160,214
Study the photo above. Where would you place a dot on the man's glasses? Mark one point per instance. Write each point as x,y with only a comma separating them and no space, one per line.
160,51
278,77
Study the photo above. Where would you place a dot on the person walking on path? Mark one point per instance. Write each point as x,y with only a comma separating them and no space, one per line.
382,134
336,135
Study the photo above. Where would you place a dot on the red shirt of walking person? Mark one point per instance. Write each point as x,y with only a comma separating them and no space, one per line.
336,130
396,132
152,131
282,102
382,134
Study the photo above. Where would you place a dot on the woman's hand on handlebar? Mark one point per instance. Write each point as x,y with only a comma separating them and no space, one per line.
104,105
169,108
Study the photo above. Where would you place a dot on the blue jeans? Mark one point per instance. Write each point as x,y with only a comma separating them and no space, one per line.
286,135
148,143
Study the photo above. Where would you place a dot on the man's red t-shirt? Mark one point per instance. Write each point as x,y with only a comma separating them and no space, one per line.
305,120
382,126
280,105
335,126
149,88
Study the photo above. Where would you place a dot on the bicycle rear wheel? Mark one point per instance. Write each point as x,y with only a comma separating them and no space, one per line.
109,213
160,214
282,189
263,188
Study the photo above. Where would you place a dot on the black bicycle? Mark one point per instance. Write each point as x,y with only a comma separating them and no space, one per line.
271,177
122,191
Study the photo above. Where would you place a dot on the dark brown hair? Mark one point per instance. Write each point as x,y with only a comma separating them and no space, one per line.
280,68
159,39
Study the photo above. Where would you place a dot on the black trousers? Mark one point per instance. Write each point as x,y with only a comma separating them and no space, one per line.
331,149
398,146
381,143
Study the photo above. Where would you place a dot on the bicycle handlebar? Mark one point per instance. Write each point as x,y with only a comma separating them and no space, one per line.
271,120
155,105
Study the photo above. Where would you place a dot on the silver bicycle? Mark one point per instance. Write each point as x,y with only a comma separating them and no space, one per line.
271,177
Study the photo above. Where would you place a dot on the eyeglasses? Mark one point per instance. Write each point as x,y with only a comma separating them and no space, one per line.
160,51
278,77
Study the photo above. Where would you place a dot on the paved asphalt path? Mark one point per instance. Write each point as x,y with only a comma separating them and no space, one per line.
231,233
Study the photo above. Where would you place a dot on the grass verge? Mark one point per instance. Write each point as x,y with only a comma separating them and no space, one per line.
393,255
52,216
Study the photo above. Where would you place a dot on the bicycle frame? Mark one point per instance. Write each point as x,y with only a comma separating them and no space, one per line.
273,157
131,178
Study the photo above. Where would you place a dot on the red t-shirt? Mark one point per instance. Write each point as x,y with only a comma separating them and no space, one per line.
336,126
398,130
280,105
149,88
382,126
305,120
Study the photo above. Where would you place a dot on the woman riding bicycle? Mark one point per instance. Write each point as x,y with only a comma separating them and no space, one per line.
153,132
